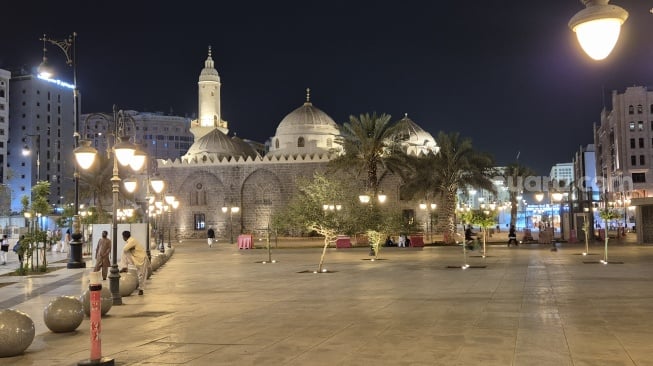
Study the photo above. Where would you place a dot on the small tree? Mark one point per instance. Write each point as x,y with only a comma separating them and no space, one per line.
38,207
306,211
607,214
484,218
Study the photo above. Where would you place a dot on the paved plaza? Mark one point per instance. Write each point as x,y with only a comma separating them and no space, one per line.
523,305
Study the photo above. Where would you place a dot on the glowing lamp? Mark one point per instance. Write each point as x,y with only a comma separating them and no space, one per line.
85,154
597,27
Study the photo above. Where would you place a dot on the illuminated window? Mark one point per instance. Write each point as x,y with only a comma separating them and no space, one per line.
640,126
200,222
640,109
632,126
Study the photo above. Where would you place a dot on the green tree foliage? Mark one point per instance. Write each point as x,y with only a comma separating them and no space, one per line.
370,148
38,207
457,165
95,185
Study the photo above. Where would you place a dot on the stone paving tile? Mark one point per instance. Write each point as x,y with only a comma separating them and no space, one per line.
529,306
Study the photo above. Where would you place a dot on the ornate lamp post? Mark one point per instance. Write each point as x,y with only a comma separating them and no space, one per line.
170,199
123,151
68,47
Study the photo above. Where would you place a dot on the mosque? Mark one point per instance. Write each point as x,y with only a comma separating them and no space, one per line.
222,171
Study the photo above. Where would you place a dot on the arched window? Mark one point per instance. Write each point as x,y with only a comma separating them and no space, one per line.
631,109
300,142
276,143
640,109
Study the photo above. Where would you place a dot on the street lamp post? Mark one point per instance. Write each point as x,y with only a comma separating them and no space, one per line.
428,208
68,46
170,199
157,185
27,152
123,151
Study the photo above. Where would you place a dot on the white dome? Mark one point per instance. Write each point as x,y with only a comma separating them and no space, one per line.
414,139
215,145
306,130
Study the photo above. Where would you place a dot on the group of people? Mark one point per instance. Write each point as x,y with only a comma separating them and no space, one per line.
403,242
133,253
469,236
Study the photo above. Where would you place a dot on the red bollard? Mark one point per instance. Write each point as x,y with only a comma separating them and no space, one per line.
95,288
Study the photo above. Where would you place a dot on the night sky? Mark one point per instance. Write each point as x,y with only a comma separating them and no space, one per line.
508,74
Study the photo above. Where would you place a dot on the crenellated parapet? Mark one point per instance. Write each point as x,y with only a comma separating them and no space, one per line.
208,160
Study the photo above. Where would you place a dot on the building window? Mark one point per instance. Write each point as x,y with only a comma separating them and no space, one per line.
633,160
642,161
329,142
639,177
631,109
640,126
276,141
632,143
640,109
632,126
641,143
300,142
200,222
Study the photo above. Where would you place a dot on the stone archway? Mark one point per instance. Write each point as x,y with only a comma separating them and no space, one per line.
262,196
200,193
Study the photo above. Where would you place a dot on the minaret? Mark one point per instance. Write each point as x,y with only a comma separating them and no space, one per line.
209,114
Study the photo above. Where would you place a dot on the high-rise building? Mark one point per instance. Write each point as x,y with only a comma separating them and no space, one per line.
563,173
624,150
624,143
41,119
160,136
5,197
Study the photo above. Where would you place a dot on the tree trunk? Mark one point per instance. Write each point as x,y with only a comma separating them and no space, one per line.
446,221
514,205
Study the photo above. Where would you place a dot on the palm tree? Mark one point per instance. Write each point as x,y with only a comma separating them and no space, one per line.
96,183
370,147
514,175
456,165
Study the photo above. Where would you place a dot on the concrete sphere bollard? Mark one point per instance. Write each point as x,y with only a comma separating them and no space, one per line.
16,333
128,283
156,262
63,314
105,297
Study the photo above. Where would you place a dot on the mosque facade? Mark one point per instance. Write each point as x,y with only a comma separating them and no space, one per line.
221,171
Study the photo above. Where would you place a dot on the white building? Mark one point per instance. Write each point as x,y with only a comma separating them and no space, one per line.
222,170
624,154
562,173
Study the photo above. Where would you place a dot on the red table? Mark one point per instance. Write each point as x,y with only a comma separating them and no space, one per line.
416,240
245,241
343,242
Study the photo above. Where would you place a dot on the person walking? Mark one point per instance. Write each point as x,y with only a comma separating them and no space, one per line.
19,250
133,253
210,236
512,236
102,253
4,248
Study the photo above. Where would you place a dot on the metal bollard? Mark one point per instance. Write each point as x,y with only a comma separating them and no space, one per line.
95,288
